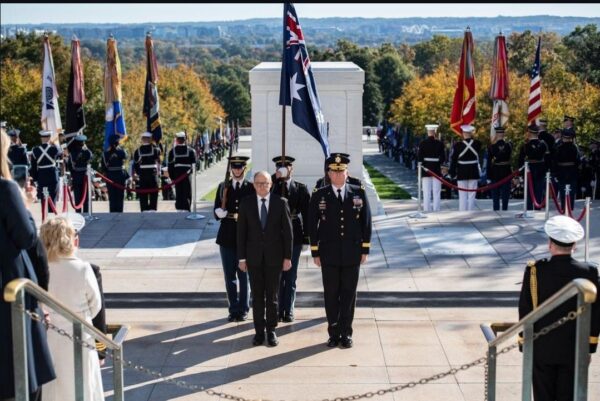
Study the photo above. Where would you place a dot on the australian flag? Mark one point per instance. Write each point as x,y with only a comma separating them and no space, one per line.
298,88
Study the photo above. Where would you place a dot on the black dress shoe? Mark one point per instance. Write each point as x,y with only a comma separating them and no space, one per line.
258,339
231,317
288,318
346,342
242,317
272,339
333,342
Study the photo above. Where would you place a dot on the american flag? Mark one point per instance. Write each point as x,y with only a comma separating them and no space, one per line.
535,89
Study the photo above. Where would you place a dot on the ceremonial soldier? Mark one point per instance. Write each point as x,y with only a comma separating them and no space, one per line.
565,166
17,154
464,165
554,353
431,155
44,169
324,181
568,122
339,222
544,135
227,203
446,191
77,161
112,165
180,161
146,164
298,198
498,168
534,152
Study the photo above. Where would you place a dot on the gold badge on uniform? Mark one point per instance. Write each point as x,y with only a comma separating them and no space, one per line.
322,207
338,159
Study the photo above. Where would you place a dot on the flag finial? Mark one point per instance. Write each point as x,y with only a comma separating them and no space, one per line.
111,36
468,28
74,38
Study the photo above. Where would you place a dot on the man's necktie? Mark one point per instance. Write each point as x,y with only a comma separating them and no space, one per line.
237,185
263,213
340,196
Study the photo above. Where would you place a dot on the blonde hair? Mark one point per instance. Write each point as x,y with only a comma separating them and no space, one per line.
58,234
4,146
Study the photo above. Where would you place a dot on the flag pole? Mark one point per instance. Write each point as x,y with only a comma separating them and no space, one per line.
284,87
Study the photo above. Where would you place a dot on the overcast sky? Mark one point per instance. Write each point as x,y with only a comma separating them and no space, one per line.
32,13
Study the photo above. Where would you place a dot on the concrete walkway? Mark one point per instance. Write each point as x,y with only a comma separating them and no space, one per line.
450,254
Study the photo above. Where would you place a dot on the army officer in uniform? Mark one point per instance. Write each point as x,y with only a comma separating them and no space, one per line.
339,222
324,181
227,204
554,353
77,162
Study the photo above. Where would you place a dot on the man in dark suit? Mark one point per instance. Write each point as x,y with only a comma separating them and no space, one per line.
554,353
298,197
339,223
264,246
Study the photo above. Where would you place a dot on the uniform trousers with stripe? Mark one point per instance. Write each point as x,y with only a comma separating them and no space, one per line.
466,200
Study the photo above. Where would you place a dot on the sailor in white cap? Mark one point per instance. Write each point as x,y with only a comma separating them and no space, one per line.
146,164
554,353
44,169
181,158
431,154
464,166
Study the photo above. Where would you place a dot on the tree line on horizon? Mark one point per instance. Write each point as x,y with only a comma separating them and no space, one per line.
406,85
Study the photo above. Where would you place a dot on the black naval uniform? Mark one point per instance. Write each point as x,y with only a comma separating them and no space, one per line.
554,353
298,199
227,241
146,161
44,170
77,163
181,159
549,140
565,169
112,165
17,154
534,152
340,233
498,167
464,165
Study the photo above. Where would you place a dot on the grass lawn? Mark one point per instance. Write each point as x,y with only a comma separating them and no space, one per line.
210,196
386,188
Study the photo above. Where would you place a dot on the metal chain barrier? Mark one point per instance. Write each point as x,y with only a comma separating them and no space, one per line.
193,387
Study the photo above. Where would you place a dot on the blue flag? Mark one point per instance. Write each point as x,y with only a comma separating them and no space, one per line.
114,119
297,87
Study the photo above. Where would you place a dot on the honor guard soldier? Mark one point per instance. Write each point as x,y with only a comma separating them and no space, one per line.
298,198
544,135
568,122
431,155
44,169
227,203
180,161
554,353
77,161
534,152
146,164
17,152
324,181
339,222
112,165
498,168
464,165
565,166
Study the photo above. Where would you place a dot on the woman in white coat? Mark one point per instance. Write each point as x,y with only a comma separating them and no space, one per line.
72,281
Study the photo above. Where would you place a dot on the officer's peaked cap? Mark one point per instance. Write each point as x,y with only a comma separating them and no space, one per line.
431,127
283,161
564,230
533,129
499,130
45,133
238,161
180,134
337,161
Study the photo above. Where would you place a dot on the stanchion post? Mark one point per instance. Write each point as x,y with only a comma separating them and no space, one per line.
419,214
547,212
587,229
194,215
567,198
525,192
90,216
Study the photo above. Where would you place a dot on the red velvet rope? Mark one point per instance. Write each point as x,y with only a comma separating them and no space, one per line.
482,189
532,193
82,202
65,204
555,199
145,190
569,210
51,205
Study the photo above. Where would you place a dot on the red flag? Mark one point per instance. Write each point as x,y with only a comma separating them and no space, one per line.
535,88
463,108
499,87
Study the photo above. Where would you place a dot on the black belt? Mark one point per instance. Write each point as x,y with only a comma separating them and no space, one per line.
232,216
565,164
501,163
534,161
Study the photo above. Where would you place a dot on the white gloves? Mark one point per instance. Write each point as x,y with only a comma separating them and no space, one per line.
221,213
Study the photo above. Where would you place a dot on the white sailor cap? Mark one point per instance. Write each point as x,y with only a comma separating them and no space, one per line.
147,134
180,134
564,229
45,133
76,219
431,127
467,128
